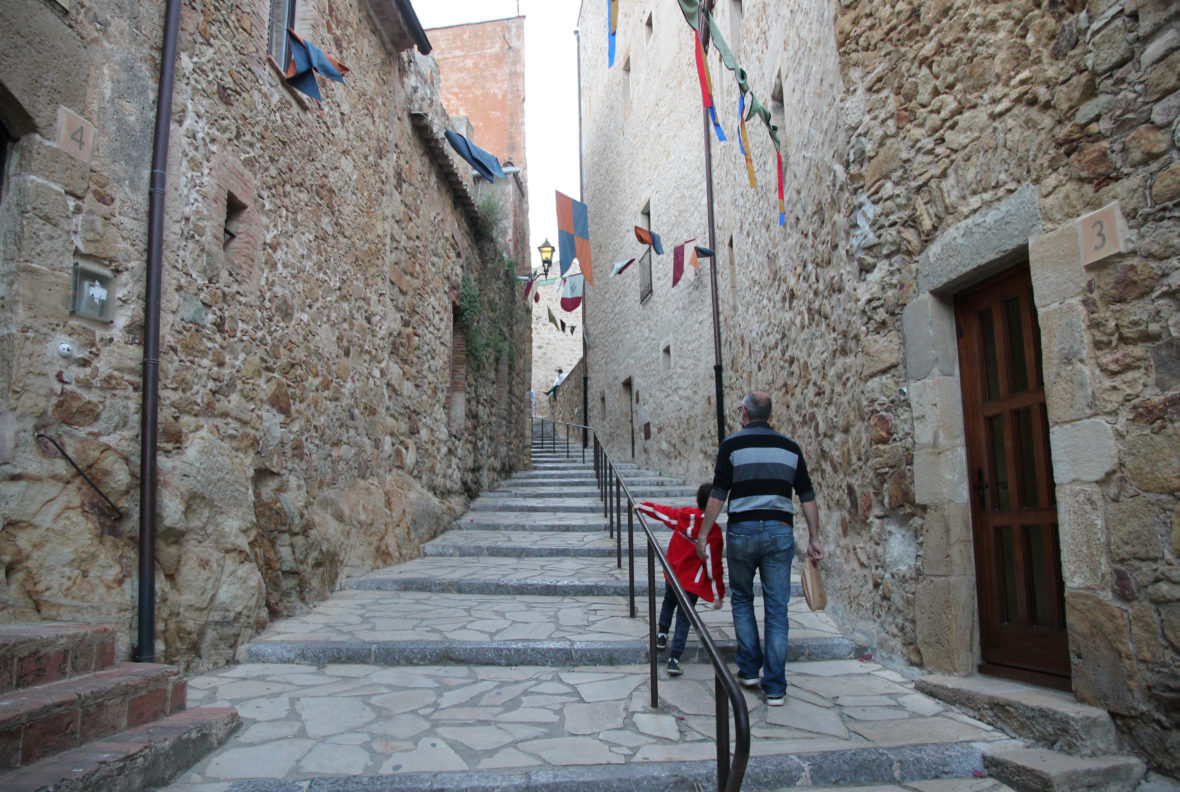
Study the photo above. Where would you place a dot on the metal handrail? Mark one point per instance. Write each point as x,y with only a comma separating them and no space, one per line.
726,690
68,458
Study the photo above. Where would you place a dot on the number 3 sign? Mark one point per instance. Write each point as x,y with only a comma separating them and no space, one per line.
1102,233
75,134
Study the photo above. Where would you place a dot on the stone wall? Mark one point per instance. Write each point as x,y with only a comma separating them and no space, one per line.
907,130
311,428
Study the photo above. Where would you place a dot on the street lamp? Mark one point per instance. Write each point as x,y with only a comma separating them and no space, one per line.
546,251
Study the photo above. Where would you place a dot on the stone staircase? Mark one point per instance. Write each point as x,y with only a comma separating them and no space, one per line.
506,658
71,718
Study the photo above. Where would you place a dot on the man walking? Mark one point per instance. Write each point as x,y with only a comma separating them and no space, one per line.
759,470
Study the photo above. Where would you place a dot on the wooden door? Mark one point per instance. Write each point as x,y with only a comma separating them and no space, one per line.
1013,505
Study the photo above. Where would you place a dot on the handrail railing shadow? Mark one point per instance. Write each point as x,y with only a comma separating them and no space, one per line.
74,465
614,493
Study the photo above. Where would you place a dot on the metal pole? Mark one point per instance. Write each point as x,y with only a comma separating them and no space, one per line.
717,369
651,623
585,294
145,650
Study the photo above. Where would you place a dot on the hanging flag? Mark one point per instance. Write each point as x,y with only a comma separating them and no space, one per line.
563,326
571,293
306,59
573,235
678,261
612,26
572,329
528,287
485,164
648,237
537,296
622,265
706,86
744,141
552,318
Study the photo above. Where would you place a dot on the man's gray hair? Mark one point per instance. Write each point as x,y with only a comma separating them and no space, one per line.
757,406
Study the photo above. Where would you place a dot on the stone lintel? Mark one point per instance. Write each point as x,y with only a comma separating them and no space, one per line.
976,248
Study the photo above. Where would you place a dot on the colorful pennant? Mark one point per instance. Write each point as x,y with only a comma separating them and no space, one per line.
571,293
622,265
306,59
706,86
573,235
612,26
678,261
743,141
649,237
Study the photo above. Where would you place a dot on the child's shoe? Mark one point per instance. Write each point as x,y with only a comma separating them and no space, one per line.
661,641
674,668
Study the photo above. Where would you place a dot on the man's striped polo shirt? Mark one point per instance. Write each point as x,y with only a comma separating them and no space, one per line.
759,469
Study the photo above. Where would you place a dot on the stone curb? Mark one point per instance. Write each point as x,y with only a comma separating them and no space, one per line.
821,769
551,654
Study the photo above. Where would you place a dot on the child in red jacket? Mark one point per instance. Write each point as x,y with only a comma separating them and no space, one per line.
698,579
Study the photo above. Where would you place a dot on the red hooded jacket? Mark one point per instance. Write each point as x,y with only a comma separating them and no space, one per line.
706,580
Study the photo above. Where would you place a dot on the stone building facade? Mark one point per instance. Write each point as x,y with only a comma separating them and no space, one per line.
933,151
343,352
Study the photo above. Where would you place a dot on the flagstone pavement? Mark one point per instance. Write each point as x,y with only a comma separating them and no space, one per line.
376,689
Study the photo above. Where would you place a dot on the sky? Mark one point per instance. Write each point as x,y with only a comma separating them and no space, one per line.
551,95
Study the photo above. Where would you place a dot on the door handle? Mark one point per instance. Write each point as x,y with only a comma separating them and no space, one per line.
981,486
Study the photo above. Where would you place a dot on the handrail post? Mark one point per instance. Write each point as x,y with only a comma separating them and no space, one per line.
619,538
631,556
619,511
651,624
722,713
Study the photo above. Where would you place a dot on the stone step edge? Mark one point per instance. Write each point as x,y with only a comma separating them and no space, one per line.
1048,718
1035,769
37,653
546,654
837,768
36,723
145,757
542,588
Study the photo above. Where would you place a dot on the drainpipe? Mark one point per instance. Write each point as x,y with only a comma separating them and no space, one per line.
582,197
145,651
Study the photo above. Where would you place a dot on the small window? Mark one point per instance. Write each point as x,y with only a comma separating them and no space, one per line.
235,213
645,287
666,357
282,17
647,26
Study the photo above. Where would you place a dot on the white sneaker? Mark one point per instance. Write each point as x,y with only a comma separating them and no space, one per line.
776,701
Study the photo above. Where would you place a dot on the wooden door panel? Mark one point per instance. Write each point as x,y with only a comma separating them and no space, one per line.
1013,505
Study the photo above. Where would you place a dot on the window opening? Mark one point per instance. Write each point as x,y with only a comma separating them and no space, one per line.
735,25
282,16
647,26
235,213
6,141
666,356
627,81
645,287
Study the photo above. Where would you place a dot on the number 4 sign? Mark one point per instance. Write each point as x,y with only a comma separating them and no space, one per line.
1102,233
75,134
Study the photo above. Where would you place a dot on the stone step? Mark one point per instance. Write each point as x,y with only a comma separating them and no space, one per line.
533,543
1049,718
531,521
55,717
37,653
669,494
522,484
469,727
141,758
416,628
572,506
562,506
1042,770
559,576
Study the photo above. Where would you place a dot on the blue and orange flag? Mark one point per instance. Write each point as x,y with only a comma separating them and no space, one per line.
306,59
706,85
573,235
649,237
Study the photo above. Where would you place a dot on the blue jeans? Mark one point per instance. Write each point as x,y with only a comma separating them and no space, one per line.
766,547
670,605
